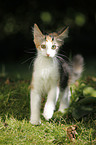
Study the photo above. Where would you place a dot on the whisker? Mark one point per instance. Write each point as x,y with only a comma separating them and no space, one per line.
63,51
62,55
30,50
26,60
27,48
31,63
63,60
65,57
60,58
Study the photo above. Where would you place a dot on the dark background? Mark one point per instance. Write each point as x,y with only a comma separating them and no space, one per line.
18,17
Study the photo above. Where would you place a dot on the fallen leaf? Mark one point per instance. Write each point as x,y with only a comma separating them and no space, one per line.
76,83
71,132
7,82
6,124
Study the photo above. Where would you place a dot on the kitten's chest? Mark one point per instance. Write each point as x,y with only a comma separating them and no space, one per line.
45,75
47,69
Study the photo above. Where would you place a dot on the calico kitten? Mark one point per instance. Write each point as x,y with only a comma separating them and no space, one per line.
51,76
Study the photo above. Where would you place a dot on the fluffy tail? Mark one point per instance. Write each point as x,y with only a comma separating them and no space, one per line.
77,67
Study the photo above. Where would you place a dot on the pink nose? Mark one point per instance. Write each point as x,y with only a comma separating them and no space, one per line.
48,55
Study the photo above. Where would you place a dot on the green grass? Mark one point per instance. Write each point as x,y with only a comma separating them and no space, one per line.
15,128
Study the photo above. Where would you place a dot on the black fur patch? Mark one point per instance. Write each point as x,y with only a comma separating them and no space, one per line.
64,75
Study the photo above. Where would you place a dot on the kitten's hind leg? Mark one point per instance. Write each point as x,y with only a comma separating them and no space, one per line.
64,99
35,103
50,104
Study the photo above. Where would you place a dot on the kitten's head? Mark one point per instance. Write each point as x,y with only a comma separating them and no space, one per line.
48,45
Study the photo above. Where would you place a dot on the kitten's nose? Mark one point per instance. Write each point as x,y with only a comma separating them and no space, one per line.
48,54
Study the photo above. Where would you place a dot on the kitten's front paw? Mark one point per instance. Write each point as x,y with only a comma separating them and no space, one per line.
48,111
35,122
62,109
48,115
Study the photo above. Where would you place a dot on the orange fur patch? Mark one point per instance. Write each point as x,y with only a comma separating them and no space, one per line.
38,46
48,38
54,34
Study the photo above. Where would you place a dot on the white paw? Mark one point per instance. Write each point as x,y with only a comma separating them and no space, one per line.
62,108
35,122
48,111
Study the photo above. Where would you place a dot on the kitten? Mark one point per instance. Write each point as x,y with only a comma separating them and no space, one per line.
51,76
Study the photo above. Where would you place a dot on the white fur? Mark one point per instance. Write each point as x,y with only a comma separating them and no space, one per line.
64,99
45,79
50,104
35,107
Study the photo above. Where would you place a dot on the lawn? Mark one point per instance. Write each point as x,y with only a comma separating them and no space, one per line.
15,128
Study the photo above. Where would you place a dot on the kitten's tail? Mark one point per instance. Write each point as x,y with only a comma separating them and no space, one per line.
77,68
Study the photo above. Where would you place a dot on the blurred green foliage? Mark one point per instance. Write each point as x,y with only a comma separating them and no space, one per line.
46,17
80,19
18,17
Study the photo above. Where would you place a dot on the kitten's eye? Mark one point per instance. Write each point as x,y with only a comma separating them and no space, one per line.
53,47
43,46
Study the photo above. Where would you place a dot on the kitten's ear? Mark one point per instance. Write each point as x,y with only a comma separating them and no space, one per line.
60,38
38,36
